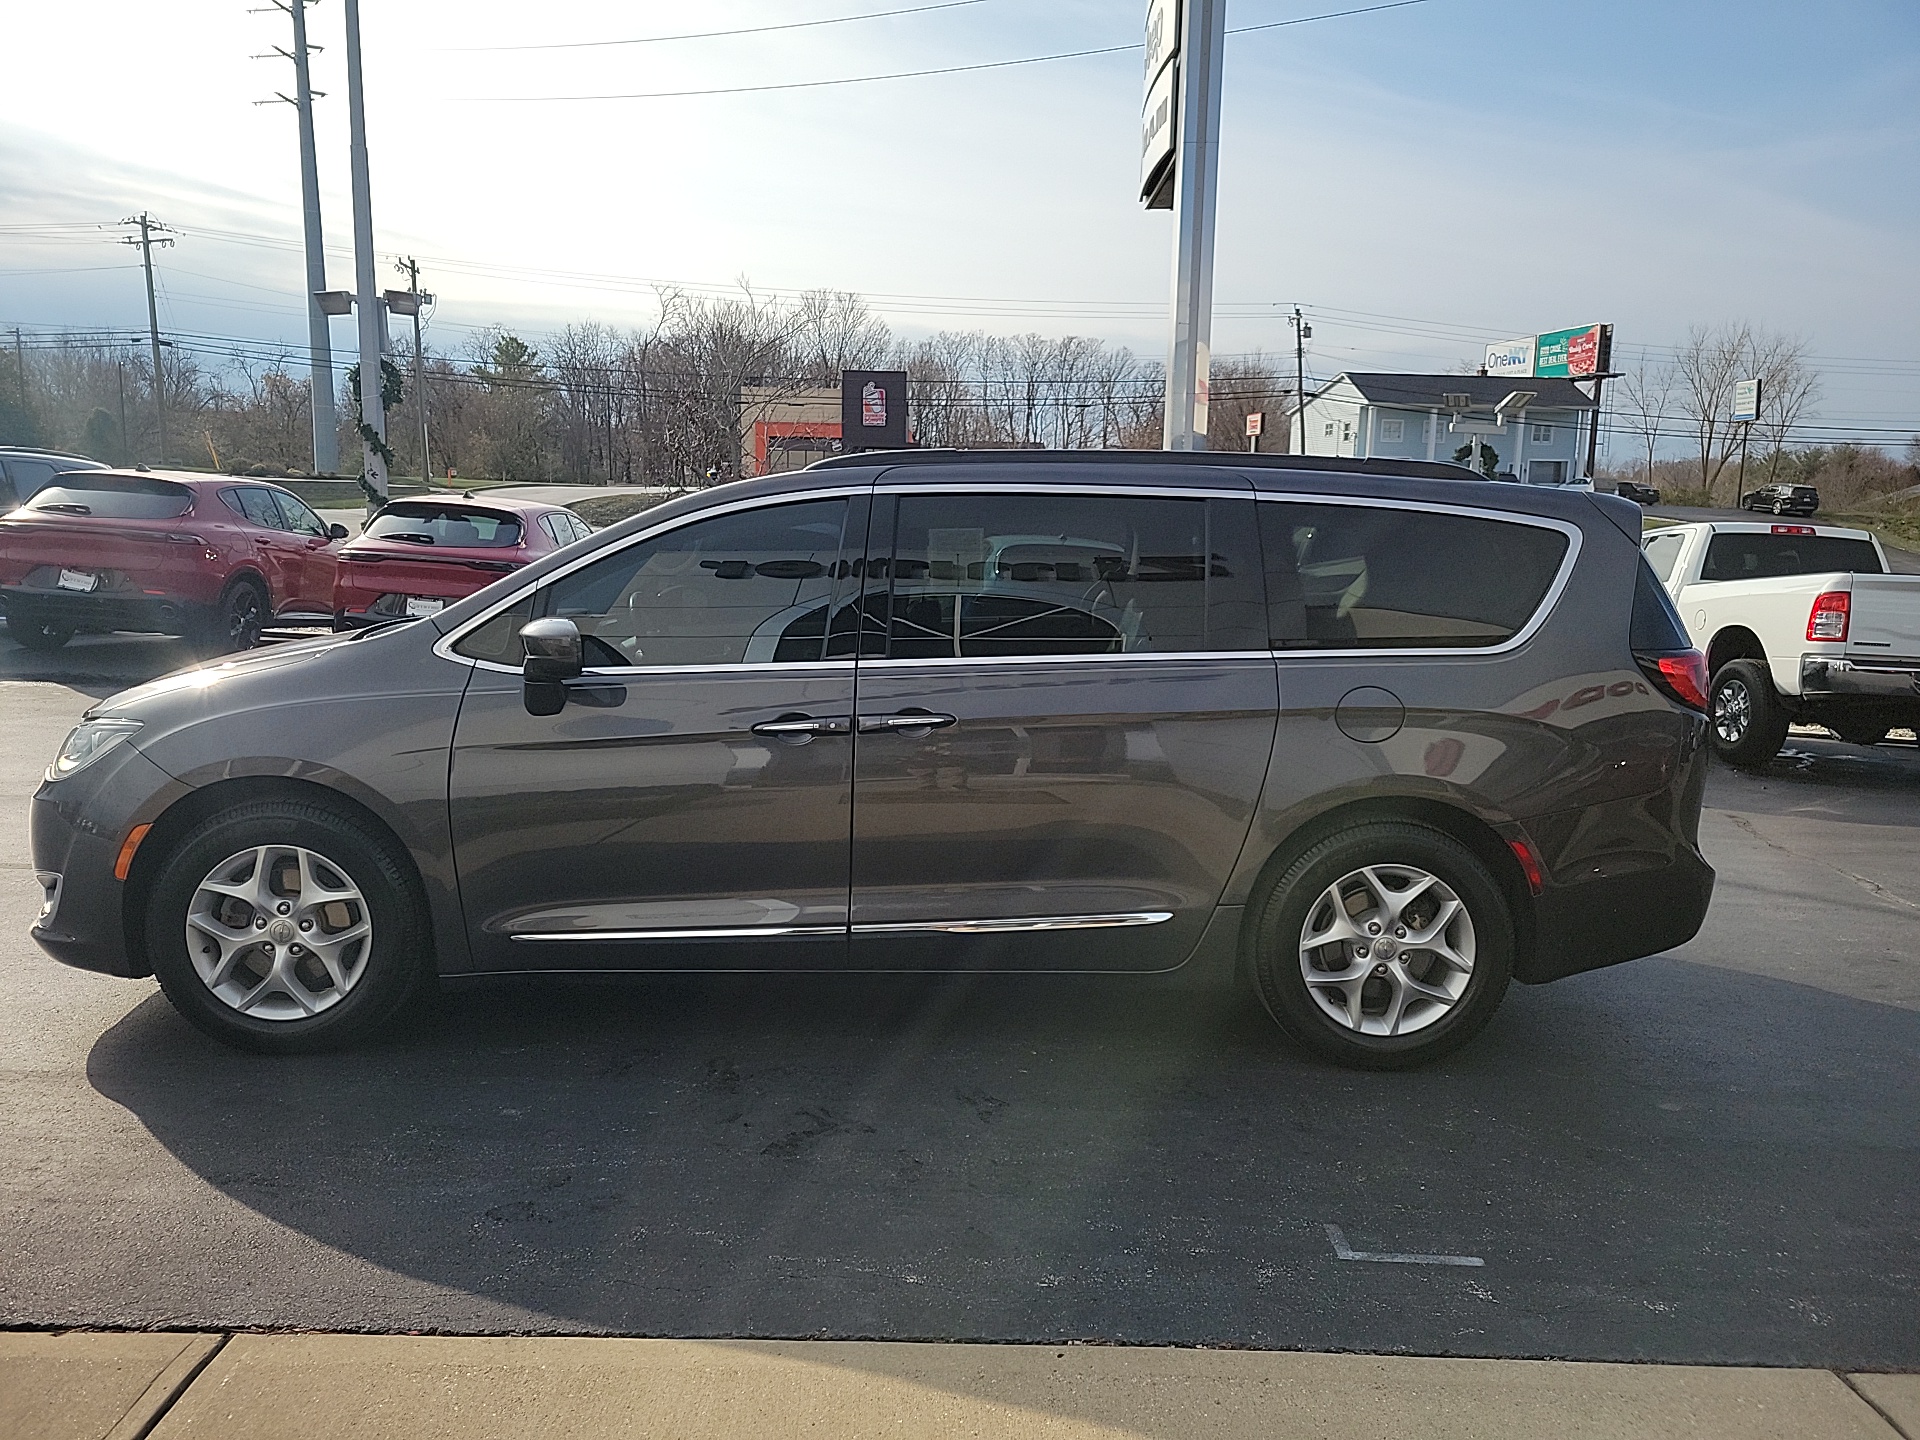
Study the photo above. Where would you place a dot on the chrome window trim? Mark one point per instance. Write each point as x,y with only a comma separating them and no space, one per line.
1103,658
444,646
1576,537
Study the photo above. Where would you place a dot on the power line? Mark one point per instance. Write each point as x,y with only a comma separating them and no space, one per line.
906,74
709,34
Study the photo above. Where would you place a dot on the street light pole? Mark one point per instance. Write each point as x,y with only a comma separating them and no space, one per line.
1196,184
326,425
373,417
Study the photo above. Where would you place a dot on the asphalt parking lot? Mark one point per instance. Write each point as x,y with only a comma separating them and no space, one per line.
1710,1156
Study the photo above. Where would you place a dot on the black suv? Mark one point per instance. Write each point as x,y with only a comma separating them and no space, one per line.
1376,743
1782,499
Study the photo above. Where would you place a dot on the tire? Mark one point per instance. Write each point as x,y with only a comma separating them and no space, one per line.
1361,865
44,636
1746,723
1858,732
253,993
236,618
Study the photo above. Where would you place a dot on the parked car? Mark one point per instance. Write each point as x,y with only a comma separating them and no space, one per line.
1782,499
1799,623
176,554
1640,494
416,555
1379,744
25,471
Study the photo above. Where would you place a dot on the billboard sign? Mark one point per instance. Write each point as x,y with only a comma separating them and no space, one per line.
1573,353
873,409
1157,105
1511,357
1746,401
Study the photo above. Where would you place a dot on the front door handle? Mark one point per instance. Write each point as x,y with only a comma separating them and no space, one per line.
801,727
905,720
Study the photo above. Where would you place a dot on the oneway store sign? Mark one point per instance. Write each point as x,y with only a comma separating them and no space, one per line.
1576,354
1156,114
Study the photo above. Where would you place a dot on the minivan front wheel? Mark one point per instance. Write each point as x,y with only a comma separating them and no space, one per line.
1384,947
286,927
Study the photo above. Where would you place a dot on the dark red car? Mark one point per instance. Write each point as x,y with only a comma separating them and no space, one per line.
419,555
204,556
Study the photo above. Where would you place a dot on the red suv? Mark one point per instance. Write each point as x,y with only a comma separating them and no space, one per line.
417,556
211,558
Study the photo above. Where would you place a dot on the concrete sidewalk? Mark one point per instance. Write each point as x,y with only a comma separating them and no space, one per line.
357,1387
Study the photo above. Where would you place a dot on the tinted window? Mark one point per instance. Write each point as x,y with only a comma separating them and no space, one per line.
754,586
114,498
1353,577
1005,575
29,476
552,525
1656,624
255,505
445,525
1661,551
1732,555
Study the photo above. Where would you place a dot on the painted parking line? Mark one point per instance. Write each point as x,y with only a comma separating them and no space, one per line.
1343,1251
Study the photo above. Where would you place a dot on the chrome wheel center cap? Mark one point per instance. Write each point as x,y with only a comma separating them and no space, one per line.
1384,949
281,931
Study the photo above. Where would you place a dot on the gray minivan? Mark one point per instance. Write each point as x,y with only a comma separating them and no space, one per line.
1375,742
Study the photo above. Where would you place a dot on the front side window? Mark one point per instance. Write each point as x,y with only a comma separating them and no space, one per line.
990,576
1662,551
752,587
1350,577
1750,555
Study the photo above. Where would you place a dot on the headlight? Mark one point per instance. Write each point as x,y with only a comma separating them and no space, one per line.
89,741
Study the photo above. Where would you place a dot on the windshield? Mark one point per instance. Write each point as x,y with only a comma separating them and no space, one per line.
445,525
114,497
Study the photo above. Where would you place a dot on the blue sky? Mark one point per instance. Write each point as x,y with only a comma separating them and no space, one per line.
1421,180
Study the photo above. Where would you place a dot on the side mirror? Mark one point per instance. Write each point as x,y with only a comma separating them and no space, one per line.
554,656
336,532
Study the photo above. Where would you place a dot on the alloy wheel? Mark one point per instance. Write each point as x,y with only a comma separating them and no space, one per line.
279,932
1732,712
243,618
1387,949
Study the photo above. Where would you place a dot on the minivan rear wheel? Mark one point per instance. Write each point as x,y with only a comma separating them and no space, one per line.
287,926
1383,947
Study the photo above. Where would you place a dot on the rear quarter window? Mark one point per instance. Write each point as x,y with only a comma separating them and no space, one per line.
114,498
1350,577
1753,555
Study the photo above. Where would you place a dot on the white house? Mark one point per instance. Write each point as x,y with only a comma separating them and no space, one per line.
1542,441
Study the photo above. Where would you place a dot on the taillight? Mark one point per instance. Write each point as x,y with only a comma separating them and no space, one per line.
1793,530
1680,675
1828,620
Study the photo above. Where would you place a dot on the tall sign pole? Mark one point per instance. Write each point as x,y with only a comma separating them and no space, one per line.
1180,133
326,426
373,416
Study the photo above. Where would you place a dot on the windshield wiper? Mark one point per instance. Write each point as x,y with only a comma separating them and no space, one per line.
66,507
412,537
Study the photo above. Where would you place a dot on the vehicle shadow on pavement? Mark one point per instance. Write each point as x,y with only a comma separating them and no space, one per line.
1663,1161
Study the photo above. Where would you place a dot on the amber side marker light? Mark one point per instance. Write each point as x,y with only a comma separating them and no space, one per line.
124,861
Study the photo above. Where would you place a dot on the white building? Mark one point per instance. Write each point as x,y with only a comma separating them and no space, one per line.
1425,417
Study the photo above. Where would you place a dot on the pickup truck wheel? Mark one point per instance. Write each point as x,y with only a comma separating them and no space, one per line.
37,634
1747,722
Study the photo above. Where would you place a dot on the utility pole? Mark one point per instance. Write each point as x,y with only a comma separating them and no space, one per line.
411,268
373,415
326,424
1196,185
152,234
1302,332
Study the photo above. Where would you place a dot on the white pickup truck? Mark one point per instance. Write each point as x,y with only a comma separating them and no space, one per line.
1800,623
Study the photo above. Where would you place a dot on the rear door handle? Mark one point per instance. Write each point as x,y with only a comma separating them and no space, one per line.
797,726
905,720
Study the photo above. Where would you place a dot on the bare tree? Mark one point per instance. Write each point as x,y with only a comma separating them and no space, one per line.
1646,398
1707,368
1789,387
